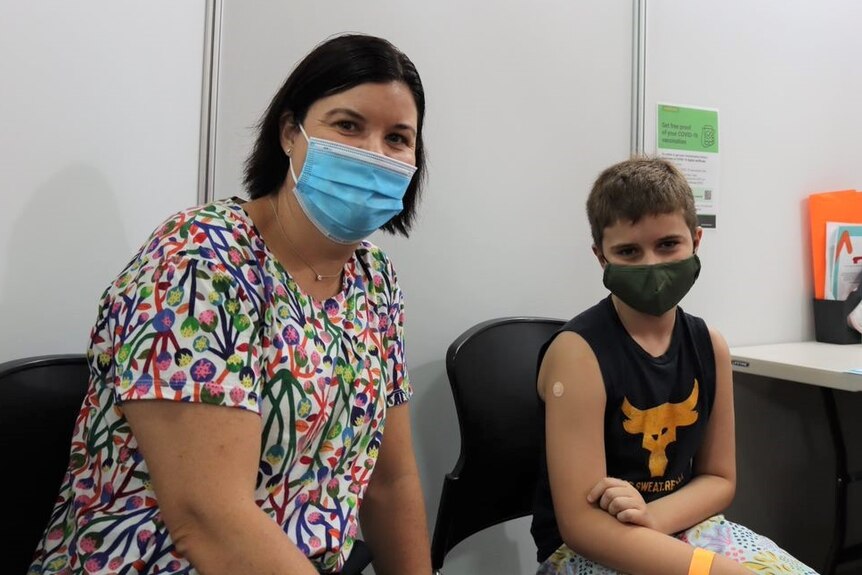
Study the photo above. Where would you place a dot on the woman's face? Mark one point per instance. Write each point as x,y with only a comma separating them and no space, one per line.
380,118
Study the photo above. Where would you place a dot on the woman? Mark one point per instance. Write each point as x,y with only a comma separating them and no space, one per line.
245,363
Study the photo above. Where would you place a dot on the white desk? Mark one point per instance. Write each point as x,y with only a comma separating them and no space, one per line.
815,363
825,365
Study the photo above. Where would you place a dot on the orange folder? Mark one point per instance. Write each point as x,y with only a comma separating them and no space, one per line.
841,206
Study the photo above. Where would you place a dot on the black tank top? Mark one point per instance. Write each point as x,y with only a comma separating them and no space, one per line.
656,410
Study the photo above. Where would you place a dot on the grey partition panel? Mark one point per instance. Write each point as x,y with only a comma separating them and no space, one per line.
100,111
786,80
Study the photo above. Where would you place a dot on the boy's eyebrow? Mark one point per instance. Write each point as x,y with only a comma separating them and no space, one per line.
636,244
671,237
623,245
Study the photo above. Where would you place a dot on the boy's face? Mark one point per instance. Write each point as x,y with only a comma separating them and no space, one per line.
652,240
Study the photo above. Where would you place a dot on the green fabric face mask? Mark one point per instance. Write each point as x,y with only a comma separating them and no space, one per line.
652,289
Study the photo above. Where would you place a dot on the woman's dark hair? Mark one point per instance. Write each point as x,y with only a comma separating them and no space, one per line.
334,66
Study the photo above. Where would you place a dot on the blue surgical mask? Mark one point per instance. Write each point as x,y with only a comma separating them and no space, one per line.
347,192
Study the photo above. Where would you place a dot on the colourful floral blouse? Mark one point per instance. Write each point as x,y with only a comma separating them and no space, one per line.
205,313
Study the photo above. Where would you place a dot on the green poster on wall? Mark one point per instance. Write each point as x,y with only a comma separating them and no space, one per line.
688,137
690,129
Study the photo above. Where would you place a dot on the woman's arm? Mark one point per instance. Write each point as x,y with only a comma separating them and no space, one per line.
392,513
574,413
203,462
714,483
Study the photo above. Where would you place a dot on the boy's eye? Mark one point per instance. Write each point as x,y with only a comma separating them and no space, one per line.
626,252
669,244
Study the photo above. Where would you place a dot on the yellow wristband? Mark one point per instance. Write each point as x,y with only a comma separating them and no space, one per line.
701,561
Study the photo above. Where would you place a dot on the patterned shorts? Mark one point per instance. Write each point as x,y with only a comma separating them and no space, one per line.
736,542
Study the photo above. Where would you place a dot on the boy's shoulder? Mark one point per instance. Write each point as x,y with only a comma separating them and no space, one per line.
593,318
693,321
589,325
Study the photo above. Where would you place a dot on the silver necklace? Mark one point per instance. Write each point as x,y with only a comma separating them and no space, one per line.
293,248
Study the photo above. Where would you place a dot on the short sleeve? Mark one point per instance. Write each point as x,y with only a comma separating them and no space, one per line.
398,389
184,329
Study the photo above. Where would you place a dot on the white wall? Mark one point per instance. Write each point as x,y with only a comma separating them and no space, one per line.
787,81
100,111
526,103
786,78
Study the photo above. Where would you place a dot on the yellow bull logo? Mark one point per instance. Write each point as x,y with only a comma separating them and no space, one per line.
658,426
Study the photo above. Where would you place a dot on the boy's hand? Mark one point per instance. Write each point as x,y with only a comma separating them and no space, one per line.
622,500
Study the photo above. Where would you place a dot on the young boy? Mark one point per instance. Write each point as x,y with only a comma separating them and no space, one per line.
639,429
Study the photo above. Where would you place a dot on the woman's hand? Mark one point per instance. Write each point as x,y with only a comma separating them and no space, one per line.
622,500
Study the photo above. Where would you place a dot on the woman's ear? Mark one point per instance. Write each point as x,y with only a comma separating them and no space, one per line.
287,132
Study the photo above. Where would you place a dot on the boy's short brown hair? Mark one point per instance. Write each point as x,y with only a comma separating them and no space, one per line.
636,188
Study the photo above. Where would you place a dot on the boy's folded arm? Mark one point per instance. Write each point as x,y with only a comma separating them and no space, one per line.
571,384
714,484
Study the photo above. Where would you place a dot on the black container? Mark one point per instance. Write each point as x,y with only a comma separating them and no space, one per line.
830,319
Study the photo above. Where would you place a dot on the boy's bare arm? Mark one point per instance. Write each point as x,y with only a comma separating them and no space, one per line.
576,463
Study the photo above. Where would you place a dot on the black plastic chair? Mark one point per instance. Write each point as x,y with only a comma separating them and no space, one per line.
492,371
41,398
359,559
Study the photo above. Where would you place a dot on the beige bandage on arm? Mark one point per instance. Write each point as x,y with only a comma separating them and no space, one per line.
557,389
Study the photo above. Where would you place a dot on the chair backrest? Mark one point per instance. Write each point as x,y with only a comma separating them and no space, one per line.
40,398
492,372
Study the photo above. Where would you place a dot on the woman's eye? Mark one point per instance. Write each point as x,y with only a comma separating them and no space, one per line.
397,139
346,125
